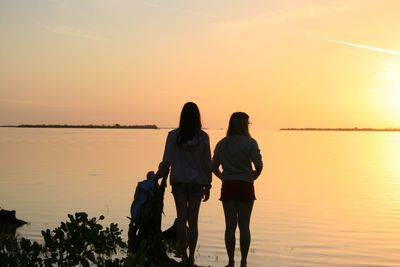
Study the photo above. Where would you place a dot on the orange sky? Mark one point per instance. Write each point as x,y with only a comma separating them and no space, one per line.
285,63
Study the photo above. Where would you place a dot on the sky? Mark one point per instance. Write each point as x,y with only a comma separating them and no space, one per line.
296,63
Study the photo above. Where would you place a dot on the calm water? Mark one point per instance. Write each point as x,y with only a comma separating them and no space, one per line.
324,199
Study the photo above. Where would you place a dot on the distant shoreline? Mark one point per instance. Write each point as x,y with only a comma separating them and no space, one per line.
90,126
356,129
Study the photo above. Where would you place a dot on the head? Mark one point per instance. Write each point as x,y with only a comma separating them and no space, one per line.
190,122
238,124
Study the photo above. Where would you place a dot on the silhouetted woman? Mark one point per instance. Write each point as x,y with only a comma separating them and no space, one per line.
187,152
236,153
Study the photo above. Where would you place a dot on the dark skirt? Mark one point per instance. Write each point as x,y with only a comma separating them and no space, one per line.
237,191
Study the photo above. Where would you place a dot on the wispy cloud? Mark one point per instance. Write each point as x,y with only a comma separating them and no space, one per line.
71,31
175,9
362,46
34,103
288,15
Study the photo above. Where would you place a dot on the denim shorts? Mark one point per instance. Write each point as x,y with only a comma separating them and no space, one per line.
187,188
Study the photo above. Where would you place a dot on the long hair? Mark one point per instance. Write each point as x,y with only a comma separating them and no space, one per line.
189,123
238,124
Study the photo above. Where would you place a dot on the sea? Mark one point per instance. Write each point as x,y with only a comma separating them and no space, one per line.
324,198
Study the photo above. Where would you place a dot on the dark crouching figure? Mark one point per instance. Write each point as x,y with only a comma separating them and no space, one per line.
9,223
144,235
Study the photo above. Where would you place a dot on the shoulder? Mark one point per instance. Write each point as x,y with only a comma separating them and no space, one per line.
220,142
203,139
173,134
245,138
246,141
223,140
252,140
203,135
253,144
174,131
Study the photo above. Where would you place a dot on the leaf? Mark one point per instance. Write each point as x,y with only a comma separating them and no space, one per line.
84,262
63,226
91,256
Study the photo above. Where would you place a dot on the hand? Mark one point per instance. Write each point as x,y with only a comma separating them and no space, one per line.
206,195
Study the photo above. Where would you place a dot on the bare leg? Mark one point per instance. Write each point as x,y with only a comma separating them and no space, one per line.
182,216
244,214
230,211
193,215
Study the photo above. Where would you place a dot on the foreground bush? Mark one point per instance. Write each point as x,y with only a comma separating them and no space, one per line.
79,241
20,253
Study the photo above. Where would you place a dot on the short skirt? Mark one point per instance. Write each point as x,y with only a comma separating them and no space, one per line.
237,191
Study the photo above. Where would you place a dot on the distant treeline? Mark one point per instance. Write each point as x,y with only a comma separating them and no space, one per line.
90,126
344,129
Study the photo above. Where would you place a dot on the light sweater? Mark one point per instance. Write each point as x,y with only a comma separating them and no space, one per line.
236,153
190,162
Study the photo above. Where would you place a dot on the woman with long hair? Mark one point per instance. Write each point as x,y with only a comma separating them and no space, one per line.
187,153
236,153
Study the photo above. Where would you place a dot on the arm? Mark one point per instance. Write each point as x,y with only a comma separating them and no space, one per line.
169,152
256,158
216,163
208,167
207,160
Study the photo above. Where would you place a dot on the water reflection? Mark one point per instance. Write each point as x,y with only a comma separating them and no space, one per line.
325,198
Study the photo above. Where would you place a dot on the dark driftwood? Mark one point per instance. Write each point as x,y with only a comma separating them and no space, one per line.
170,234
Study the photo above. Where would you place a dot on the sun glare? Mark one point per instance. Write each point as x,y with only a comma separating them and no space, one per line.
387,94
393,89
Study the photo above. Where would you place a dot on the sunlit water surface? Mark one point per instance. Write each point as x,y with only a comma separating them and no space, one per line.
324,198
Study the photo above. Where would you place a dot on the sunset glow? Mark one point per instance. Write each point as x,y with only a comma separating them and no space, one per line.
91,95
286,63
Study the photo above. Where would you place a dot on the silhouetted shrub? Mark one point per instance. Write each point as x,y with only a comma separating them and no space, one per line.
78,241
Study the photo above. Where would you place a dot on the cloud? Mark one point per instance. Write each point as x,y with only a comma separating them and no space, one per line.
179,10
287,15
362,46
71,31
33,103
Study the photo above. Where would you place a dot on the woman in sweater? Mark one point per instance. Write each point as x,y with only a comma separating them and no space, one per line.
187,153
236,153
